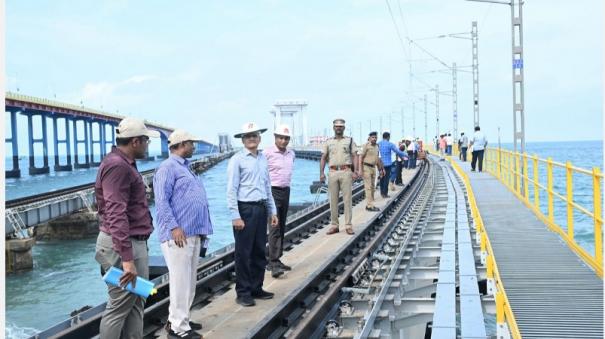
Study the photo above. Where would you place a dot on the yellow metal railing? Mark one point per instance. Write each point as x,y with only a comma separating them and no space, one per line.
512,169
504,312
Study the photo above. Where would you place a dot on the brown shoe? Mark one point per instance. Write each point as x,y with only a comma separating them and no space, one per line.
332,230
349,230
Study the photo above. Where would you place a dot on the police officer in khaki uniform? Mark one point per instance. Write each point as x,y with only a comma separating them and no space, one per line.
340,152
369,159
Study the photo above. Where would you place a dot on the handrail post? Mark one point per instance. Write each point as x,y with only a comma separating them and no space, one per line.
525,177
517,174
536,183
491,280
549,189
597,216
499,169
569,175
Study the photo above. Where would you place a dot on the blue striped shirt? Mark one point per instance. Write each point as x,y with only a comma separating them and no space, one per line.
180,199
385,148
248,180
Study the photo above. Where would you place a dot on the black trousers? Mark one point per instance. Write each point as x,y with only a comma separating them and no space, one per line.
281,195
463,153
384,181
477,156
250,244
398,170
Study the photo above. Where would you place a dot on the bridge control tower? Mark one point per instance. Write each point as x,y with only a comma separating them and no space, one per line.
285,112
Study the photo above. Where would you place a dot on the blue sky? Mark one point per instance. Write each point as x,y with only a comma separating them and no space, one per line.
210,66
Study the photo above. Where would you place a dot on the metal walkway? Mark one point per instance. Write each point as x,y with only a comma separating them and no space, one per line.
553,294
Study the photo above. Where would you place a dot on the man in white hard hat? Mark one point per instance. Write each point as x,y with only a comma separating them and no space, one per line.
184,224
281,162
125,225
251,203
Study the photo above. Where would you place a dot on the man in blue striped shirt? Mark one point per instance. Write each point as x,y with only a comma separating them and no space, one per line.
184,223
386,147
250,201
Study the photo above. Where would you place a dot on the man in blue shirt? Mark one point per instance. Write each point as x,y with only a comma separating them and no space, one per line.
250,201
184,223
386,147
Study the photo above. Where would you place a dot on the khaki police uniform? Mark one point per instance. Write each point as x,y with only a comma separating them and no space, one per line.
339,154
370,157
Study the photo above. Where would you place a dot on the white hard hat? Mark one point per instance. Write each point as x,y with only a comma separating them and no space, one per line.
283,130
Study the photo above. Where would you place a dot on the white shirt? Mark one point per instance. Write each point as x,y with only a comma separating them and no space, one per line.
464,141
479,141
449,140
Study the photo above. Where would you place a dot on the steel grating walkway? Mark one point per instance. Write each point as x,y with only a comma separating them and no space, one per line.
553,294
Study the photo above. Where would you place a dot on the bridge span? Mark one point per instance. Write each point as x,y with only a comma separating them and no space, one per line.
79,125
447,255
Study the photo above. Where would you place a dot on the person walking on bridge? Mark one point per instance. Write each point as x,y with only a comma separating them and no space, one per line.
125,225
184,224
463,146
479,142
251,203
281,163
369,160
386,147
341,154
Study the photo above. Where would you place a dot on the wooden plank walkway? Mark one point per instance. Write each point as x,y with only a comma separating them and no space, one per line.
553,294
223,318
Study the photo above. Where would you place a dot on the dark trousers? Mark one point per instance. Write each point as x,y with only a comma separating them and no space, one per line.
384,181
463,153
398,170
250,244
477,156
281,195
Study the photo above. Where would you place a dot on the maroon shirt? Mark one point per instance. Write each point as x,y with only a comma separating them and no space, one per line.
123,209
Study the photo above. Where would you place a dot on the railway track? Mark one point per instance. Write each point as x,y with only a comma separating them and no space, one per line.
62,192
303,313
215,274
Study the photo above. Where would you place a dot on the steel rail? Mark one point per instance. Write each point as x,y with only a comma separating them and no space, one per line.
316,298
214,275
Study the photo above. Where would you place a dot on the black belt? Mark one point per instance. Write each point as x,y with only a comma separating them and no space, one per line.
365,163
280,188
141,237
258,202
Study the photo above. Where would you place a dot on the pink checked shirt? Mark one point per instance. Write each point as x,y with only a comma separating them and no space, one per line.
280,165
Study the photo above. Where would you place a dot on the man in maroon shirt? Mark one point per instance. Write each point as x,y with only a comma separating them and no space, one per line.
125,226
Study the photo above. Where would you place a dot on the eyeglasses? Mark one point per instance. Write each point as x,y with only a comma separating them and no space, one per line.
249,136
145,140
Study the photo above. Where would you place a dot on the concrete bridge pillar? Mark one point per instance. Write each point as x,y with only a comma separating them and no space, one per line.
32,141
66,141
94,142
77,163
15,172
19,255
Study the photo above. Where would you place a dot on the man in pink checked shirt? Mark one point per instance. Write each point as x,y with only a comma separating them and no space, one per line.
280,161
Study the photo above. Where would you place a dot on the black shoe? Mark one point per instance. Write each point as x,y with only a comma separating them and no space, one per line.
472,169
276,272
263,294
269,267
386,196
283,266
194,326
245,300
184,335
399,184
